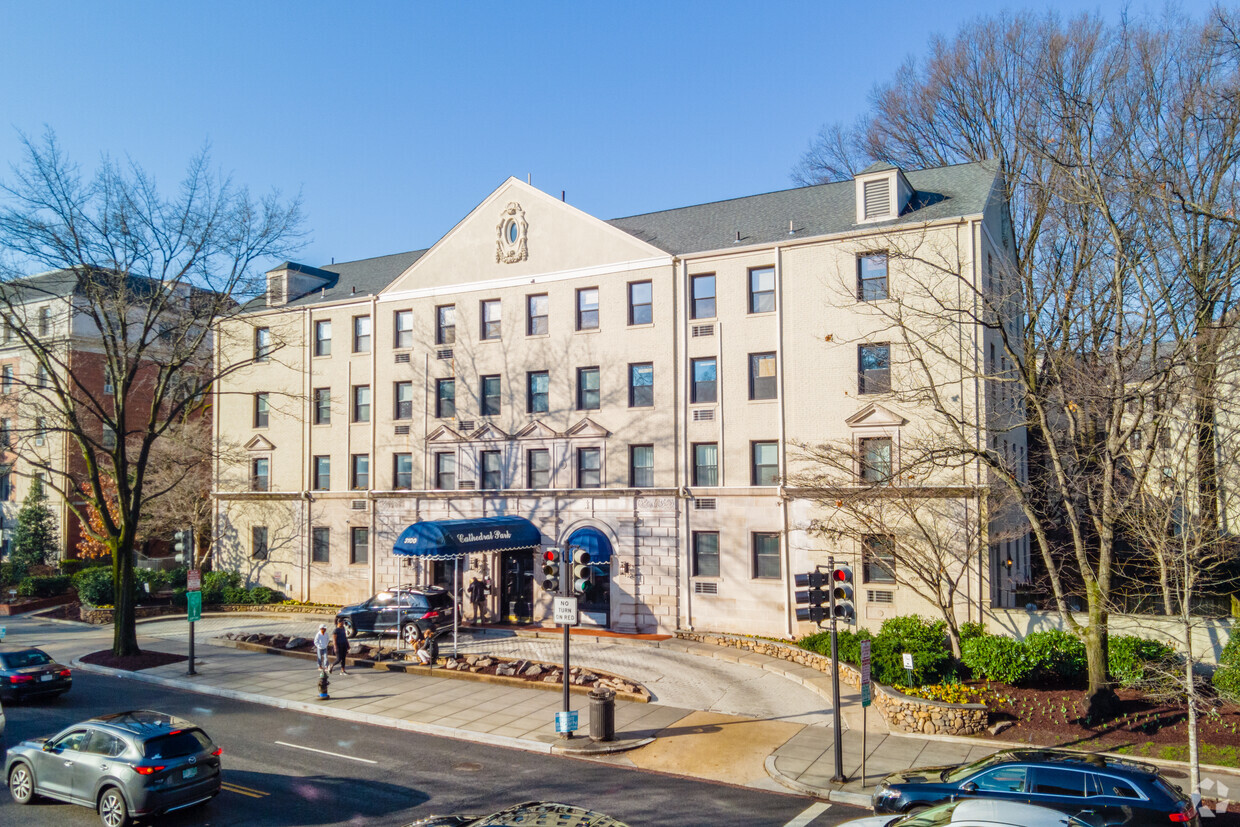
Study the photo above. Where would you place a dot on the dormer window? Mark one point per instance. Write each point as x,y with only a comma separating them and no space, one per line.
882,193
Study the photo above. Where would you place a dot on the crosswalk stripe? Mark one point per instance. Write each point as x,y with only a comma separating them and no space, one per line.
809,815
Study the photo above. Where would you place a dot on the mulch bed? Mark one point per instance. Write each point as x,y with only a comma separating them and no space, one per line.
132,663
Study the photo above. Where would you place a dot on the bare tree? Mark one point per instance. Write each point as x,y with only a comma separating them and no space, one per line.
137,282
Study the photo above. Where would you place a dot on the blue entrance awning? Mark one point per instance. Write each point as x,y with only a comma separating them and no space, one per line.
448,539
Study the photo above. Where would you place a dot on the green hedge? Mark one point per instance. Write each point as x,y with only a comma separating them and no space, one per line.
925,639
94,586
996,658
1056,655
47,586
1130,658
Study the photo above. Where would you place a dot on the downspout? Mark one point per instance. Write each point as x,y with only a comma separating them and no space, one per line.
680,376
978,437
373,550
786,568
306,440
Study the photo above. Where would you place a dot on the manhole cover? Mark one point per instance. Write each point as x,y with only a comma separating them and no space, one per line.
468,766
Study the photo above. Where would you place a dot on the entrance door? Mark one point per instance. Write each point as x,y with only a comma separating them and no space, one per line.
596,605
516,587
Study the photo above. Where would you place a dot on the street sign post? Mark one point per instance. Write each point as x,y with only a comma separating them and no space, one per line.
908,666
565,610
193,609
193,580
865,700
566,722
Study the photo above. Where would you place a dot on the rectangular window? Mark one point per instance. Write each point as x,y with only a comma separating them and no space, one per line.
445,324
587,308
537,312
322,406
641,466
403,395
258,542
322,473
762,290
875,459
262,412
320,545
262,344
6,379
641,302
538,385
323,338
109,437
872,277
766,555
361,334
873,368
490,310
6,433
260,475
45,321
492,471
361,403
403,323
42,380
704,381
40,431
360,472
538,464
762,383
402,472
445,471
703,306
6,485
706,554
359,545
765,457
445,398
589,467
489,401
588,397
641,385
706,464
878,559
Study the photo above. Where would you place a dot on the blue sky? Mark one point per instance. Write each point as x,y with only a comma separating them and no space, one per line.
393,120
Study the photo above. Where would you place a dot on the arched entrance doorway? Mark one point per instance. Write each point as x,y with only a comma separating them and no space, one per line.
596,605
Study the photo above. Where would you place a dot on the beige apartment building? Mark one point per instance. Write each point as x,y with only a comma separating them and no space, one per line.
637,387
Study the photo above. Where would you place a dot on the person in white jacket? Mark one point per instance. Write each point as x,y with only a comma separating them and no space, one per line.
320,645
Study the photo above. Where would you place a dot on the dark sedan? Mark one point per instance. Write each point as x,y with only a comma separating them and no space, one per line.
407,609
1094,788
29,673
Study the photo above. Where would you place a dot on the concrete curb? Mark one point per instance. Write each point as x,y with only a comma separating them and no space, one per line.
317,708
588,747
838,796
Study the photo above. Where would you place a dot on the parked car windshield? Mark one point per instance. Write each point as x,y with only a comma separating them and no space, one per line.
20,660
176,744
934,817
963,772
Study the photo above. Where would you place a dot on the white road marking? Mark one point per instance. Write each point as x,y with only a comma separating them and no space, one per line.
325,752
809,815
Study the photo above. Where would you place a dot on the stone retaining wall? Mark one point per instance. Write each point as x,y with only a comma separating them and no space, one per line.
902,713
103,616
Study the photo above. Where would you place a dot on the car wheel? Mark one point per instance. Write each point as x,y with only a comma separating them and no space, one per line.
411,632
113,811
21,784
349,631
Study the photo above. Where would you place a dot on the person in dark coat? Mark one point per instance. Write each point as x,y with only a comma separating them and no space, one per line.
478,599
340,639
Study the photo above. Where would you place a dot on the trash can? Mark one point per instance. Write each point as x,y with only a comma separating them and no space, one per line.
602,714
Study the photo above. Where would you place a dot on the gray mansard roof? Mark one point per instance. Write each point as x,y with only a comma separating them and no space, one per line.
943,192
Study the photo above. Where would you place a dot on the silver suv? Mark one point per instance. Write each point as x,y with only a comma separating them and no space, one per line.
126,765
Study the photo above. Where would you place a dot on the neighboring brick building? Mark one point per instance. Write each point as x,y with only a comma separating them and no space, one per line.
633,385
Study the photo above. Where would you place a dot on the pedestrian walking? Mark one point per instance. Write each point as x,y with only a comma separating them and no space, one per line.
320,645
478,599
427,649
340,639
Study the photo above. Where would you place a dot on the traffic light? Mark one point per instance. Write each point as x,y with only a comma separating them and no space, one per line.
182,542
582,572
812,599
842,593
551,571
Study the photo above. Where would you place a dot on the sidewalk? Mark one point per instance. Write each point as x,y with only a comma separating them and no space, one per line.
767,751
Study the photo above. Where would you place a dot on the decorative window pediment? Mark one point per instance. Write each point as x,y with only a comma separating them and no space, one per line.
536,430
588,428
259,443
444,434
489,432
875,416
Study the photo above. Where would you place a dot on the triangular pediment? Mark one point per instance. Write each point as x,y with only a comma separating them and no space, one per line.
588,428
548,236
444,434
536,430
488,431
259,443
875,416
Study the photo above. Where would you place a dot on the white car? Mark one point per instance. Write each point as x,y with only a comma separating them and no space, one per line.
975,812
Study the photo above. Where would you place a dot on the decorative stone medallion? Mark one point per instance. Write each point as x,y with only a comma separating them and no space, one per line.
510,247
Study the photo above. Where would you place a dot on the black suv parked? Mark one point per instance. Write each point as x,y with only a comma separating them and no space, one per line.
1094,788
407,609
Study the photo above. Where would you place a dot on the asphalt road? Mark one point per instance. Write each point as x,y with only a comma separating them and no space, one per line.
287,768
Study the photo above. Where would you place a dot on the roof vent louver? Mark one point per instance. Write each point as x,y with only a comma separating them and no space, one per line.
705,504
466,485
705,588
877,198
465,425
402,358
402,430
444,354
700,330
704,415
358,505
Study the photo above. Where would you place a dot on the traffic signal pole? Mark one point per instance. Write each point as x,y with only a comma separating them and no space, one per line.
566,589
835,683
